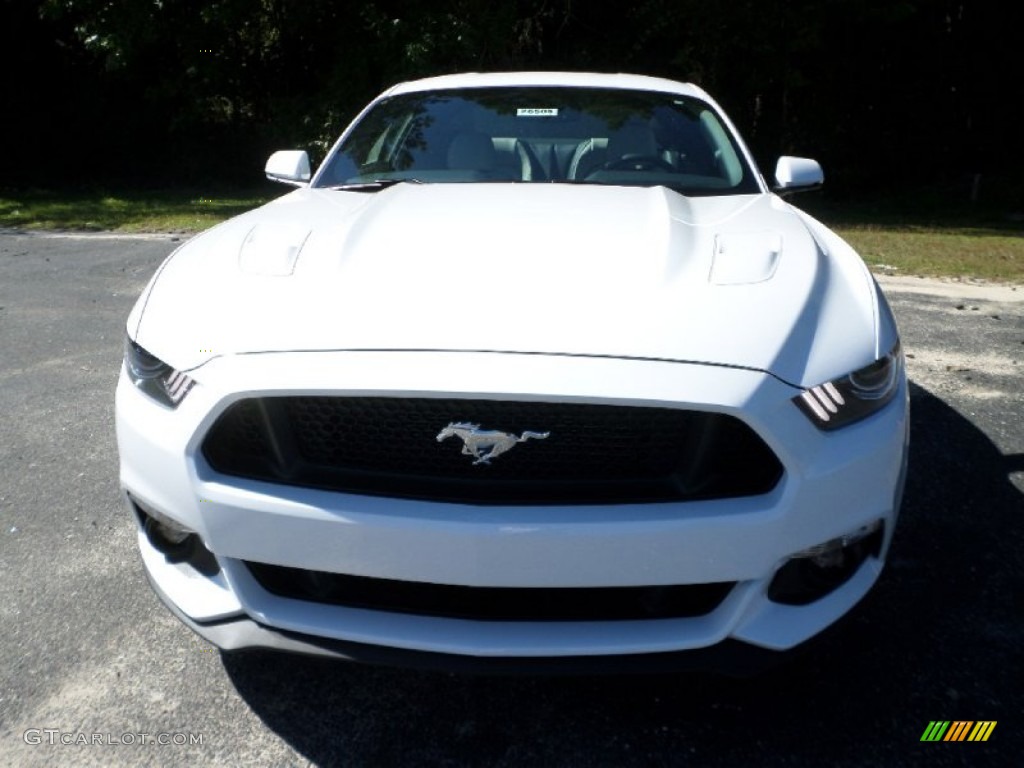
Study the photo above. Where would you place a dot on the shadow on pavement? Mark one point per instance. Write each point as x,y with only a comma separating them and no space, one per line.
939,638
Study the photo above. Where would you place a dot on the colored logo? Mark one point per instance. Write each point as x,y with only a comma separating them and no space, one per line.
959,730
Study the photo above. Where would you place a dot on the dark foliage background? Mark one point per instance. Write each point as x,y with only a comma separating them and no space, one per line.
892,96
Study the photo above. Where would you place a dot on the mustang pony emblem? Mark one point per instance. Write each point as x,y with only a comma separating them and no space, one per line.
485,444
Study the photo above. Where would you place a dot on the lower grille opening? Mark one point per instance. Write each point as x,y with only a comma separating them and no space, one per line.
492,603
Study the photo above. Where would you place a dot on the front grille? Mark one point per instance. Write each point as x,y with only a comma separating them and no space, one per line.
492,603
593,453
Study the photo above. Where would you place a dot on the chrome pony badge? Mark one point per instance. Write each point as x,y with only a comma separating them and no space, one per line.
485,444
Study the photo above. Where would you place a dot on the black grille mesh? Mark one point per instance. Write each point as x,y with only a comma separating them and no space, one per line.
492,603
593,454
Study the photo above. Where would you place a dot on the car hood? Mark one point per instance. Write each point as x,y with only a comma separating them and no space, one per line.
743,281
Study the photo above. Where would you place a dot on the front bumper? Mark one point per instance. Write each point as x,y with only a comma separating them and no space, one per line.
730,657
833,484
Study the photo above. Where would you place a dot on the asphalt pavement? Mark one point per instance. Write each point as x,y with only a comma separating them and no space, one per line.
94,671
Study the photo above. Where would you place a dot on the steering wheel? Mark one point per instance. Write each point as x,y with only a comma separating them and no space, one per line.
639,163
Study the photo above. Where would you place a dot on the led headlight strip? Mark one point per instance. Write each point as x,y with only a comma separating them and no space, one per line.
853,397
155,377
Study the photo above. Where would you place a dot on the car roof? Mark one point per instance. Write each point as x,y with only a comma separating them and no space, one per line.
570,79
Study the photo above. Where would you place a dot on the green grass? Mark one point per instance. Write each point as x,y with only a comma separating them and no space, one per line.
942,245
929,235
970,252
175,211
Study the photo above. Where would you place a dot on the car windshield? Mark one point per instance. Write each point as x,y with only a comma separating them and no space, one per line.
542,134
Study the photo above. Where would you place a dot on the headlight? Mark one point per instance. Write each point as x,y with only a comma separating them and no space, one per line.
155,377
855,396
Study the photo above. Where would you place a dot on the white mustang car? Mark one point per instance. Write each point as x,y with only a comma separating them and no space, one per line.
536,371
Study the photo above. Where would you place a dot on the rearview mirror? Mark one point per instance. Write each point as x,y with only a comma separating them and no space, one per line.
797,174
289,166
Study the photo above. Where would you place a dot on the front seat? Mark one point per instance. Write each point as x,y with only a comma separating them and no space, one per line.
634,139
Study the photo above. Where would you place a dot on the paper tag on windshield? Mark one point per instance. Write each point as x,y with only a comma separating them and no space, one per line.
536,112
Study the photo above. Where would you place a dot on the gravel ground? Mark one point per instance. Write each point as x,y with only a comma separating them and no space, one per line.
88,653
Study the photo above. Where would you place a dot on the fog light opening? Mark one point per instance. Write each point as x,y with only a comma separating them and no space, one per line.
813,573
174,541
171,540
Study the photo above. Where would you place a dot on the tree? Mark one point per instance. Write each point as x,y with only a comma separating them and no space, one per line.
182,90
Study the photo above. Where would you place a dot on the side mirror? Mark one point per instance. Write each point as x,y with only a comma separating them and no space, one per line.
797,174
289,166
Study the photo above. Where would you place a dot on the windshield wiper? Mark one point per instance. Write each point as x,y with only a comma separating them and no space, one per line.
373,185
580,182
